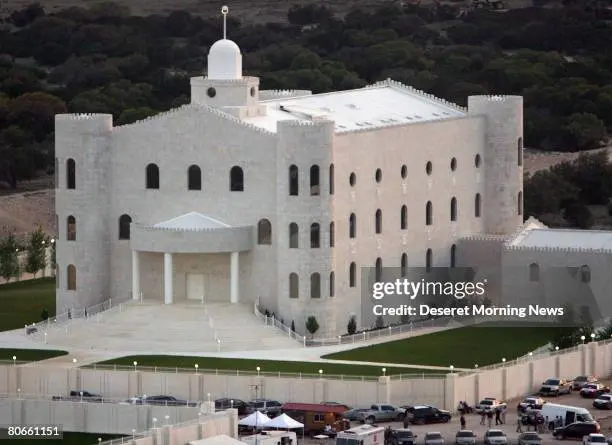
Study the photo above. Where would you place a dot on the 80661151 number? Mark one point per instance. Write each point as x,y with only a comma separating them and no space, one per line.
31,432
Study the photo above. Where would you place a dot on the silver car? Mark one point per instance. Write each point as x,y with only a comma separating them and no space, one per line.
465,437
434,439
495,437
529,438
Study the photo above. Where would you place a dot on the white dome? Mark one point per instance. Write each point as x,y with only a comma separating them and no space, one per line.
224,60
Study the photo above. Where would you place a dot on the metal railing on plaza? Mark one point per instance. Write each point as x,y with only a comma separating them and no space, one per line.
275,322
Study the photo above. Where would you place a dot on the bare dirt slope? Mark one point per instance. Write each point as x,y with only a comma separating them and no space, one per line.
34,203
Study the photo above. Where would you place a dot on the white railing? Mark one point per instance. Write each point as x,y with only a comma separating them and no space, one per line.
275,322
101,399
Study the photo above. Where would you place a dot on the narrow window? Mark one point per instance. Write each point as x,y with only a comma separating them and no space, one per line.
379,273
194,178
264,232
453,255
315,236
294,286
585,274
520,151
429,168
332,284
294,186
453,209
520,203
71,228
404,218
353,179
56,172
314,181
152,177
477,161
332,235
331,179
378,221
534,272
428,260
71,278
352,275
352,226
70,174
404,265
315,285
124,227
294,236
236,179
453,164
428,214
404,171
378,175
477,205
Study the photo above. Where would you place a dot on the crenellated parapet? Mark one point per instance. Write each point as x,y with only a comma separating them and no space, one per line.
83,123
485,237
552,249
393,83
282,94
378,126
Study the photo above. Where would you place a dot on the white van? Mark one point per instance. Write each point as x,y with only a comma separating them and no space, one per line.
568,414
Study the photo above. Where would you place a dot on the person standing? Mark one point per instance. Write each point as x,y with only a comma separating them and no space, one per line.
462,421
490,417
519,425
482,417
497,417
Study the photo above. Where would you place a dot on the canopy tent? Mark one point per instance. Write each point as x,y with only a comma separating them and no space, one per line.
256,420
285,422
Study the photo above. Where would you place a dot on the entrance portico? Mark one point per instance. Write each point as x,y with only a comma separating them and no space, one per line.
192,233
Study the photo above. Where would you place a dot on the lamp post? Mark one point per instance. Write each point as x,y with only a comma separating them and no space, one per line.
232,403
14,360
45,338
476,366
196,366
133,434
154,422
135,366
593,336
167,419
451,368
557,348
258,369
99,440
504,360
19,393
582,337
218,345
530,354
320,373
74,360
384,371
208,397
81,395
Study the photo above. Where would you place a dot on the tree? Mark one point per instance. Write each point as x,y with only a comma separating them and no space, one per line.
351,327
37,252
380,322
54,257
292,326
36,112
9,258
585,131
44,314
605,333
312,325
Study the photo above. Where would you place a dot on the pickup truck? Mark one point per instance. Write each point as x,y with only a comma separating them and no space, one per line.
80,396
489,404
555,387
382,413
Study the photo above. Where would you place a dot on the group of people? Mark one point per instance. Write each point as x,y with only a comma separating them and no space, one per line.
488,415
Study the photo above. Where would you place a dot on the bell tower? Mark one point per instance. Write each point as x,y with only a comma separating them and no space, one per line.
224,86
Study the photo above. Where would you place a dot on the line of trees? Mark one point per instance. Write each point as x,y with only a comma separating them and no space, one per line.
575,327
12,262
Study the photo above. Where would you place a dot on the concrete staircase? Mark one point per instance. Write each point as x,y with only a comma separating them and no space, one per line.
184,327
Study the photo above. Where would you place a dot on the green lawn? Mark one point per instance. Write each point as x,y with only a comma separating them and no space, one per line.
22,303
461,347
29,355
68,439
266,366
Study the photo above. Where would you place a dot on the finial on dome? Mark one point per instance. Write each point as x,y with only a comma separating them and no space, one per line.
224,12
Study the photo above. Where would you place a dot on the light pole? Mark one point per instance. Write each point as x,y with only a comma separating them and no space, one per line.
232,403
451,368
258,369
557,348
531,354
99,440
504,360
81,394
74,360
208,397
593,336
582,338
154,422
19,393
218,345
196,367
167,419
135,366
133,434
14,360
384,371
45,338
320,373
476,366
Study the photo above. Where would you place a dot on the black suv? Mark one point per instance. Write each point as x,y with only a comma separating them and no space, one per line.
271,408
223,404
576,430
166,401
420,415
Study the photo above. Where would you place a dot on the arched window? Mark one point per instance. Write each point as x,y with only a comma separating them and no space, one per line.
378,221
264,232
315,236
404,265
352,275
585,274
294,184
428,213
404,218
352,226
453,255
294,236
332,235
477,205
152,177
71,228
331,179
519,204
315,186
378,270
70,174
124,227
194,178
236,179
294,286
428,260
520,151
71,278
453,209
534,272
404,171
332,284
315,285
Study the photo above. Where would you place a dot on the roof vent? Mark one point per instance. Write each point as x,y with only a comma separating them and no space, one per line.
446,113
418,117
392,120
367,123
329,110
341,126
359,124
408,118
353,106
436,114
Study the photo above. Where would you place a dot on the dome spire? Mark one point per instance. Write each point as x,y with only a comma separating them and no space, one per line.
224,12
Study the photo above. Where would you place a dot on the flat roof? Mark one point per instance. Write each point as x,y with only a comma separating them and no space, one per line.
565,238
376,106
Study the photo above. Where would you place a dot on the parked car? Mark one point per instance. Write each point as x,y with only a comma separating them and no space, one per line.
165,401
582,380
576,430
594,439
422,414
84,396
226,403
555,387
529,438
434,438
531,402
465,437
382,413
354,414
604,401
495,437
489,404
336,404
403,436
270,407
594,390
